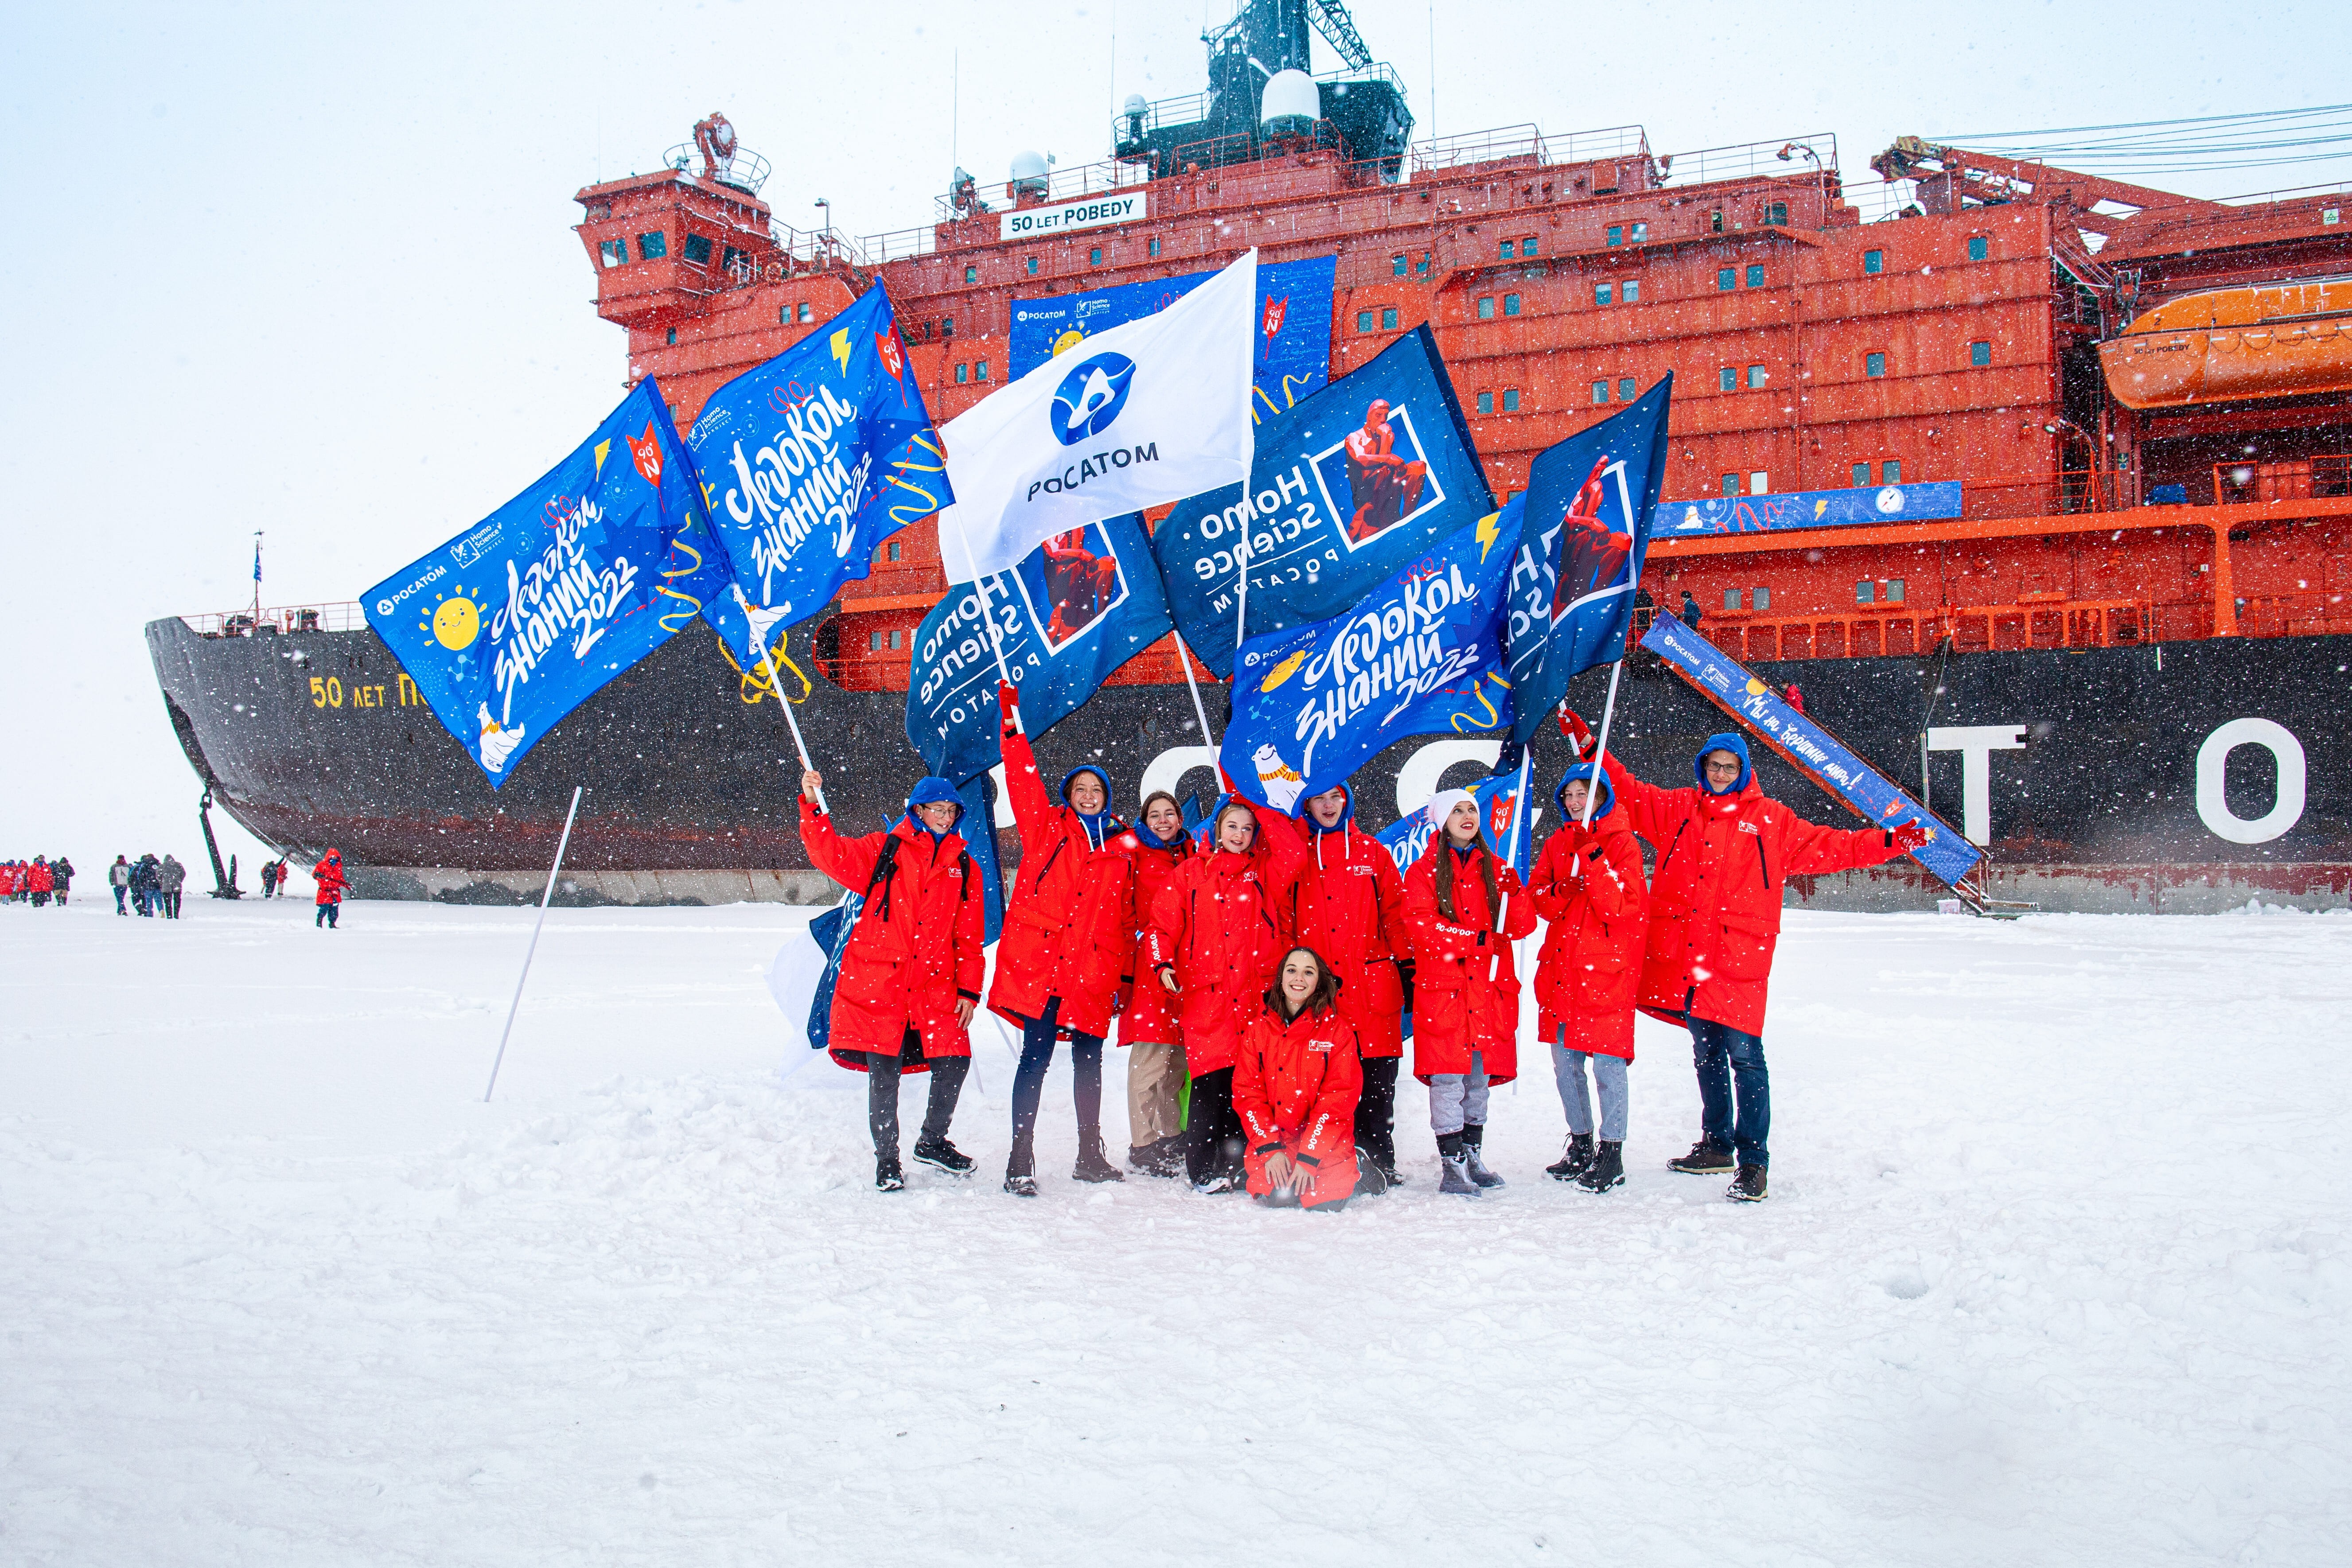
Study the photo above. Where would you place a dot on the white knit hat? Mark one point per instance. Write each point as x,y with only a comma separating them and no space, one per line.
1441,806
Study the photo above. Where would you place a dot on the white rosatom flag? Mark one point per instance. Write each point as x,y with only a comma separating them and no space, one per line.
1152,411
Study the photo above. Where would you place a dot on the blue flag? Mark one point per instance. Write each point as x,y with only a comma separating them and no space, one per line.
1582,530
1497,799
808,463
830,932
510,625
1080,605
978,826
1346,490
1422,653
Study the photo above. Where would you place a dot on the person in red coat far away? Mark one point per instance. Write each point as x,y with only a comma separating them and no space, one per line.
1725,852
1465,1011
1068,950
1159,845
1218,932
1588,888
910,975
328,874
1295,1084
1348,905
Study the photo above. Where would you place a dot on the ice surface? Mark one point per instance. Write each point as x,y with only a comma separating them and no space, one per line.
2056,1270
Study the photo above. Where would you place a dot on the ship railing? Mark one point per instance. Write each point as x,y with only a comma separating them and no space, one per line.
2050,493
2325,476
2298,194
745,170
1815,152
1192,107
1895,630
1061,185
1503,143
283,619
898,245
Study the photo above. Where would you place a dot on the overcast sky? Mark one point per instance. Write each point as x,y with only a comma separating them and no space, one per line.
311,269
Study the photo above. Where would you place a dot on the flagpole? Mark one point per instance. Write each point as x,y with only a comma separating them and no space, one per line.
1184,656
1601,747
552,873
979,586
776,685
1518,821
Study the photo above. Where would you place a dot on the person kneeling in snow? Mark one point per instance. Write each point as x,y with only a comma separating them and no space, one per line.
1296,1080
1725,852
910,974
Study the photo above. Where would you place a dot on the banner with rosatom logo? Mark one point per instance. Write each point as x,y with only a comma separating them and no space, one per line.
1291,352
808,463
1151,411
1408,837
511,624
1348,486
1082,604
1423,653
1582,529
1810,749
1811,509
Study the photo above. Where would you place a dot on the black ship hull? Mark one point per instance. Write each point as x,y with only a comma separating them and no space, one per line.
2082,767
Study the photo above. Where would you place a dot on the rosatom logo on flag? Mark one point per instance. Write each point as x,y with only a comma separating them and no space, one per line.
1091,396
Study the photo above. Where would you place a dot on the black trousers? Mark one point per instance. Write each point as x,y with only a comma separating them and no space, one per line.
882,1074
1213,1130
1376,1112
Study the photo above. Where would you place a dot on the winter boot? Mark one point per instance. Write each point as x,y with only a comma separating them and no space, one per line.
1168,1156
1473,1138
1574,1160
1607,1169
1094,1165
1747,1187
1454,1166
887,1176
1144,1157
942,1155
1371,1180
1021,1170
1706,1158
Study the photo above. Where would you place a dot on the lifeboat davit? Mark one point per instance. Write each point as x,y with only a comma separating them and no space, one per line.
2236,345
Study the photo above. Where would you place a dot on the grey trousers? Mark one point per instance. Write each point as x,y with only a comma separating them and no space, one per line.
1154,1073
1608,1077
1458,1098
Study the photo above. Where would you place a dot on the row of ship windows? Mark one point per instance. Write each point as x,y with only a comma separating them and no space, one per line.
1866,590
1890,472
1093,259
1728,379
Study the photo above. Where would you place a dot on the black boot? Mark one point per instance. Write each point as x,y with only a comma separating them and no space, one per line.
1574,1160
1452,1161
887,1176
1371,1181
1706,1158
1747,1187
1021,1170
1473,1145
941,1154
1094,1165
1607,1171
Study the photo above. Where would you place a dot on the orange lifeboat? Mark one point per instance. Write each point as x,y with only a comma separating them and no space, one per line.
2236,345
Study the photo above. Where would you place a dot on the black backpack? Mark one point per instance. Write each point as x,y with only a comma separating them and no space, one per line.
886,872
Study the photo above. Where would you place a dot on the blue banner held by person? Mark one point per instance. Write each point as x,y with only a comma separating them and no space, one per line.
1582,530
514,622
1497,798
1422,653
808,463
1079,607
1345,491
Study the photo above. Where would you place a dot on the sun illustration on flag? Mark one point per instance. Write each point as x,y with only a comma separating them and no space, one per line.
456,620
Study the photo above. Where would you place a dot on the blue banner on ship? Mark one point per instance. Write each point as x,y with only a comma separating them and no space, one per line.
1293,355
1420,654
1809,509
809,462
1347,490
1808,747
514,622
1080,605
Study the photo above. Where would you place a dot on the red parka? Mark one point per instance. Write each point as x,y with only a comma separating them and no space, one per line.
915,949
38,878
1456,1007
1296,1085
1348,904
1223,921
1588,886
1724,861
329,875
1150,1015
1069,925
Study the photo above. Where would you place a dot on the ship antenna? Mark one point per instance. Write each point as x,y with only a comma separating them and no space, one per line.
257,576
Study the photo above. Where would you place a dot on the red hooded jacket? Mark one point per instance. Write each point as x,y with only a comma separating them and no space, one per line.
329,875
38,878
1296,1085
1069,924
1348,904
1588,886
1223,921
916,945
1150,1015
1456,1007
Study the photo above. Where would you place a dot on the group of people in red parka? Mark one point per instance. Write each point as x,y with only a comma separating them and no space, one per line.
1262,978
37,881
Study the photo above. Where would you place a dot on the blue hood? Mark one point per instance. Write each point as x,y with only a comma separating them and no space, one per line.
1068,778
1737,746
932,791
1596,779
1346,816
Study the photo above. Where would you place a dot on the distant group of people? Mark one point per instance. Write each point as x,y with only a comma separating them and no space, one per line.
1264,979
36,881
148,885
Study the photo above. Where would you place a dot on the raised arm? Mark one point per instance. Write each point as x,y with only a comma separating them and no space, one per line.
1033,808
848,861
1808,848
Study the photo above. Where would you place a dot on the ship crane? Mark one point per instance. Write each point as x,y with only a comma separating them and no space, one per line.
1338,30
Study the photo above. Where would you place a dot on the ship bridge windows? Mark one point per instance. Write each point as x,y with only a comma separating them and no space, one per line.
1874,261
698,250
1979,246
735,264
652,247
613,252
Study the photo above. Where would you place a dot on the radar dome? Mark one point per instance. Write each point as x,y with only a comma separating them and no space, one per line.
1136,104
1029,173
1291,105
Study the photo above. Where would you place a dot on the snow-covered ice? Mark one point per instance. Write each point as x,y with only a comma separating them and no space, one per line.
2056,1270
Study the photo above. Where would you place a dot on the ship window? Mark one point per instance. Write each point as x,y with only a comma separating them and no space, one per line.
1861,474
1094,257
1033,267
1777,212
1485,306
893,549
1866,591
1756,277
1604,293
733,263
1894,589
807,312
1890,472
1485,402
1979,246
1759,482
1715,222
1421,266
1600,392
1616,234
896,640
1633,290
1527,245
1874,364
964,373
1732,598
1763,598
1727,277
1510,304
1388,318
613,252
1507,248
1641,232
1363,320
1757,375
652,247
1510,400
1396,265
1153,249
971,274
1980,352
1874,261
784,314
698,250
672,339
874,642
1730,485
1727,378
1626,388
979,371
